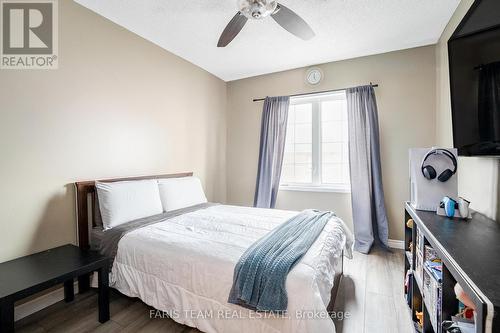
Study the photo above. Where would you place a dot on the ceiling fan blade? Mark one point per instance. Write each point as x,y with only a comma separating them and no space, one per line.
292,22
232,29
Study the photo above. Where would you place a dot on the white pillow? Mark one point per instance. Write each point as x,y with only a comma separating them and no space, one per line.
126,201
177,193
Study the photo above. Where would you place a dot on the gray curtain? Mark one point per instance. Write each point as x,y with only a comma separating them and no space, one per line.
368,208
272,147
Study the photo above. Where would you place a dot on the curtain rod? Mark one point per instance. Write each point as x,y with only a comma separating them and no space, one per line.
314,93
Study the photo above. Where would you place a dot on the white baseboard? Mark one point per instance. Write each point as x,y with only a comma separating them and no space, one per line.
396,244
39,303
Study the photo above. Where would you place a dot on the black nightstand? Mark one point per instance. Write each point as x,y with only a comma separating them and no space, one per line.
28,275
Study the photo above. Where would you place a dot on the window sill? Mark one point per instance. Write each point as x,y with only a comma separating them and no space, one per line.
307,188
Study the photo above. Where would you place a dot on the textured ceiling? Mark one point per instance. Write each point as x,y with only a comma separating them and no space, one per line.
344,29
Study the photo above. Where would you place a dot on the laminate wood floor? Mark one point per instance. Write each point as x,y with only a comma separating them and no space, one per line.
371,296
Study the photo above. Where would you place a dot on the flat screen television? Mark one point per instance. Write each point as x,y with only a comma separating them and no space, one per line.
475,92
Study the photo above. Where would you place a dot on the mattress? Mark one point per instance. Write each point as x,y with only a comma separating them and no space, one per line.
184,268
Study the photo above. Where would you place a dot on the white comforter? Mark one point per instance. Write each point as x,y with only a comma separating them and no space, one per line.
184,266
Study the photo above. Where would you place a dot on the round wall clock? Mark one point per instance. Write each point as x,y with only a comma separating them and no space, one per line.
314,76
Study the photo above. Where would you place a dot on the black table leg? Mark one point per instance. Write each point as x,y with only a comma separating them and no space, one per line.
83,283
6,316
69,290
103,294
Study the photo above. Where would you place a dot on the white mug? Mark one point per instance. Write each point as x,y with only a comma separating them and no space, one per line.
463,207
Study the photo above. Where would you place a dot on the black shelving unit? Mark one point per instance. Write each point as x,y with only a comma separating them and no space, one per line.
470,255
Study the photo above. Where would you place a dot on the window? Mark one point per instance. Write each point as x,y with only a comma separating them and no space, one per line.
316,149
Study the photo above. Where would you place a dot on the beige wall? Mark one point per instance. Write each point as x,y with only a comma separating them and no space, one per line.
117,106
406,99
478,178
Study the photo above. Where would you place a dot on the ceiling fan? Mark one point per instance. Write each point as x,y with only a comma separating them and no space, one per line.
259,9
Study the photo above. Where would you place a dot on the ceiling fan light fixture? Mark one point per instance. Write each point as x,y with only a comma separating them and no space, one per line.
257,9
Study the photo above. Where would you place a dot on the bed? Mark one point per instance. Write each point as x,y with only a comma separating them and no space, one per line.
182,265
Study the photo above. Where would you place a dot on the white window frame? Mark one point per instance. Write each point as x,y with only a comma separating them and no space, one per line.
317,163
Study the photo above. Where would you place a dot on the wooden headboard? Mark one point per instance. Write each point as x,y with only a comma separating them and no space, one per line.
86,203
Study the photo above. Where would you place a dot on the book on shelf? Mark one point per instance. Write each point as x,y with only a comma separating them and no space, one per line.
436,268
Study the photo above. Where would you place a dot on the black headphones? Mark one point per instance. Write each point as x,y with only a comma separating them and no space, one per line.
430,173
